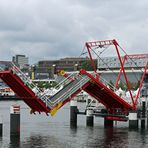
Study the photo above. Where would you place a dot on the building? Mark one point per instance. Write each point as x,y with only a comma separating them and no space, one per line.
114,63
5,65
21,60
45,68
109,68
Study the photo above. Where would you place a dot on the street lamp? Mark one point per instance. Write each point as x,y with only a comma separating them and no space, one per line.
76,67
33,69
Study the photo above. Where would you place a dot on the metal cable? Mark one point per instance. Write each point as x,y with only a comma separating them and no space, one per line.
107,66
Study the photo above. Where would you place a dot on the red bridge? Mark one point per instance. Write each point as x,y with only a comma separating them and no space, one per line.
92,83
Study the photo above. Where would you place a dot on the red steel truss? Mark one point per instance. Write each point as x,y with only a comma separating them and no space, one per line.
133,57
92,86
100,44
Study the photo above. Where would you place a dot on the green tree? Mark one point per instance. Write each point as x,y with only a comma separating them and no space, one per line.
88,66
46,85
122,85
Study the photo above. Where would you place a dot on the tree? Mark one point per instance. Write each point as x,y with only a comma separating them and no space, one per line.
42,84
88,66
122,85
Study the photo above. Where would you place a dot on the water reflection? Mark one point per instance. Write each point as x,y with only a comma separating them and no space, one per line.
73,130
113,137
36,132
107,138
143,137
40,141
14,141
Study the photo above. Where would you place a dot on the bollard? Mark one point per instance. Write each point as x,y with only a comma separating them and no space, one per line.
73,113
133,120
15,120
143,115
89,117
1,126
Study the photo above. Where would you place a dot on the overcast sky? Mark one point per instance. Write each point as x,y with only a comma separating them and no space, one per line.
52,29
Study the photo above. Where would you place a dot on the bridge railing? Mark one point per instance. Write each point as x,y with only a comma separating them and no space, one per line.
108,84
27,81
64,82
67,94
43,95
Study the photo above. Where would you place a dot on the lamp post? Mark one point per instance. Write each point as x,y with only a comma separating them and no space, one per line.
76,67
33,69
53,70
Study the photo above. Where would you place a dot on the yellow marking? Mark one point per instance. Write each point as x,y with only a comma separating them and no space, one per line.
55,109
33,75
62,72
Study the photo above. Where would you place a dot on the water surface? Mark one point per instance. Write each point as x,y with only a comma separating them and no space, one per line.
41,131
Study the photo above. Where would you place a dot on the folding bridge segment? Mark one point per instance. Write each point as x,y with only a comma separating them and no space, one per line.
43,103
37,100
24,92
105,95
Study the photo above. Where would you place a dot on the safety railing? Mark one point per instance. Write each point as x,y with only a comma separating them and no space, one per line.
121,95
106,83
44,96
27,81
81,80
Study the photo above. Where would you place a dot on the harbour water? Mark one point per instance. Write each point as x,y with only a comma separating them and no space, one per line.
41,131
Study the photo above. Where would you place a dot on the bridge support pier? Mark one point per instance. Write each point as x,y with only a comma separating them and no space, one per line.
133,120
143,114
1,126
108,123
89,117
73,113
15,120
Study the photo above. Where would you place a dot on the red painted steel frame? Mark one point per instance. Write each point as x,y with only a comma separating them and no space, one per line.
134,56
122,67
94,44
118,77
118,100
92,61
141,82
126,57
104,43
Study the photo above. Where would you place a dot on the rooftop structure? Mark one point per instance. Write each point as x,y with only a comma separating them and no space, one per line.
21,61
45,67
114,63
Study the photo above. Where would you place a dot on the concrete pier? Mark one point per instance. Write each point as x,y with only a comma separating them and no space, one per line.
133,120
108,123
73,113
1,126
15,120
89,117
143,114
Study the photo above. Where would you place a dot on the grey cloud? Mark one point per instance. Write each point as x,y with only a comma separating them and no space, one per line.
53,29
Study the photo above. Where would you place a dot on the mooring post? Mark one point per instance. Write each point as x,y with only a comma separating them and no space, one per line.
73,113
15,120
133,120
1,126
143,114
89,117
